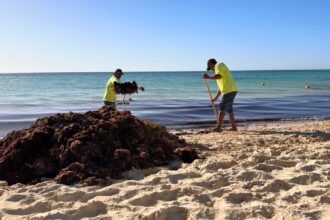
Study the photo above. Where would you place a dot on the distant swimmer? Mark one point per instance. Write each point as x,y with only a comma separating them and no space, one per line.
263,84
307,87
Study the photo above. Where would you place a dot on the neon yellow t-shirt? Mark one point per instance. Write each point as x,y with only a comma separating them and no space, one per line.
110,93
226,83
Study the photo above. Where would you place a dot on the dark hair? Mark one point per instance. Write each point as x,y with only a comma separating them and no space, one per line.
118,70
209,62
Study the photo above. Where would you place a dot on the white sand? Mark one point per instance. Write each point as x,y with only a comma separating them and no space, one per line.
273,171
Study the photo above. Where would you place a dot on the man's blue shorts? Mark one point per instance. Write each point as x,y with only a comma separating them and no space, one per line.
226,104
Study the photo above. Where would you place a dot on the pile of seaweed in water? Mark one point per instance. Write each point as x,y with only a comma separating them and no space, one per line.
90,148
127,88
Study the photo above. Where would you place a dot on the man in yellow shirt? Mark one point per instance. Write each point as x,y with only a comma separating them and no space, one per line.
109,97
228,89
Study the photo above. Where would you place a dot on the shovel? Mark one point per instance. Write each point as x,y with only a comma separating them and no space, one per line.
213,106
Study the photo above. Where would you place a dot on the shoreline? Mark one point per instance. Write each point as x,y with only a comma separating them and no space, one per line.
274,170
192,127
250,123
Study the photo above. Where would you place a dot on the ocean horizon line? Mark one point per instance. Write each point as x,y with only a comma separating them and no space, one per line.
162,71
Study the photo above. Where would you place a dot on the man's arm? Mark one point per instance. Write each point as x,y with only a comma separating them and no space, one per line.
217,96
215,76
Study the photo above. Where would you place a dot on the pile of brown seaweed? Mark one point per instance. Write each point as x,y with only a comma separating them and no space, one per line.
90,148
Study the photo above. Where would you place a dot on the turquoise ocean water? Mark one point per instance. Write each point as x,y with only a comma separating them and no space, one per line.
174,99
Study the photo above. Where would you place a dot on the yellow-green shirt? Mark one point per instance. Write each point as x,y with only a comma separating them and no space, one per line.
110,93
226,83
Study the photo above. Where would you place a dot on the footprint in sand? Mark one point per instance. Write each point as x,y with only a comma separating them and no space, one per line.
21,188
203,199
253,175
174,178
16,197
172,212
312,214
212,182
294,198
270,198
325,199
152,198
23,199
48,188
261,158
37,207
254,212
306,179
276,151
314,192
89,210
128,194
238,198
154,181
219,192
69,196
215,166
251,184
276,186
267,168
256,159
242,157
308,168
190,190
282,163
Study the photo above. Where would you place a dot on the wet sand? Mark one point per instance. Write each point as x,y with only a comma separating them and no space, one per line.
264,171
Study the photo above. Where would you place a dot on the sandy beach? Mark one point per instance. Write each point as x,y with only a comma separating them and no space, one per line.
264,171
108,110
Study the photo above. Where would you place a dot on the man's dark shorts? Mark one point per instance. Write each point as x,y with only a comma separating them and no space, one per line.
112,104
226,104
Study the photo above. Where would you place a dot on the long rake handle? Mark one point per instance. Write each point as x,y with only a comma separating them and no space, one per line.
213,106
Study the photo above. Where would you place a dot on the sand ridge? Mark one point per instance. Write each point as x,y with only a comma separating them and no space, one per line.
270,171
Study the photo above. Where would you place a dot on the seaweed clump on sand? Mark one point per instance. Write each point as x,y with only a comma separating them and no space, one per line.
90,148
127,88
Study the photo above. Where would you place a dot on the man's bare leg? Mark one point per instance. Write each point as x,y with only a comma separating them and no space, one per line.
220,121
232,122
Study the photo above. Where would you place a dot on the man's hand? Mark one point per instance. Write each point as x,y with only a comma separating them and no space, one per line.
205,76
214,99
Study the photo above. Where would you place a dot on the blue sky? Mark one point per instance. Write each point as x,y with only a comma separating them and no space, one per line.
163,35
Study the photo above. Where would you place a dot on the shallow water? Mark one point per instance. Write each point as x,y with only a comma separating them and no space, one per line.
174,99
